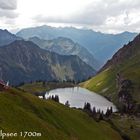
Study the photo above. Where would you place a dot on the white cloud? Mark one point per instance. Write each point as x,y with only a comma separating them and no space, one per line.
8,13
8,4
102,15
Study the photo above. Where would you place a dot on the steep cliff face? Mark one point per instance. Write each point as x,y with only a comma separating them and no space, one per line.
66,46
23,61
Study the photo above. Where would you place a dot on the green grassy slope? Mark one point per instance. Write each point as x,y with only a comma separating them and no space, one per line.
105,82
20,111
40,87
126,62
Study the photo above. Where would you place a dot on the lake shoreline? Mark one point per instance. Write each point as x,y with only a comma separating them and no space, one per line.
78,96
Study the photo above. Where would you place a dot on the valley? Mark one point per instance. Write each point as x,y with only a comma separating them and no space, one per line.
35,65
70,69
124,65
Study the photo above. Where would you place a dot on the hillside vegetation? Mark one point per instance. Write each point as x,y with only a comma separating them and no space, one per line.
20,111
44,86
126,62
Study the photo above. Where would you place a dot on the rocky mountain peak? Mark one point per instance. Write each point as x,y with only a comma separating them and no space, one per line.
6,37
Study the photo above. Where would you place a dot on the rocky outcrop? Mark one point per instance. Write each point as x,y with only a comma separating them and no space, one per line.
125,91
23,61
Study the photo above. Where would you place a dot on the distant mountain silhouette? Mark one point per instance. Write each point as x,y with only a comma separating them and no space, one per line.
101,45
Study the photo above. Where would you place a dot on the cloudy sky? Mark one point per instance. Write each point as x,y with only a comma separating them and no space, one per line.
111,16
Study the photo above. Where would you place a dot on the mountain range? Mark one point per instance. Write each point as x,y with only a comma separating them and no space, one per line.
101,45
23,57
65,46
24,61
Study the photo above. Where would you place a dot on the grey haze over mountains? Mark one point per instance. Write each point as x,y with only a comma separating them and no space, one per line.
24,61
101,45
65,46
